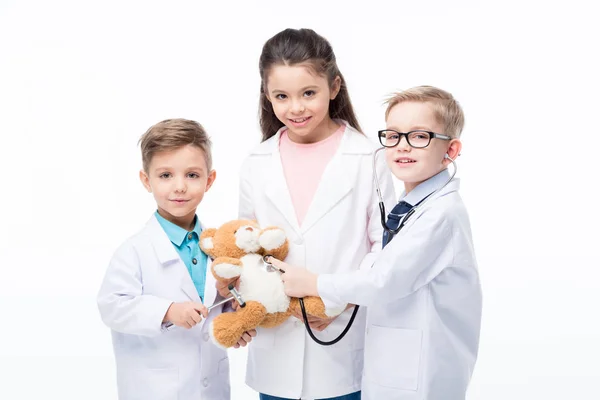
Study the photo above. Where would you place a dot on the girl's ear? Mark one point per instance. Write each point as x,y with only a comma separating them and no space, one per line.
266,93
335,87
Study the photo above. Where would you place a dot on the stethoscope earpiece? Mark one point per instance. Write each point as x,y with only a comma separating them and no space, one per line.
393,232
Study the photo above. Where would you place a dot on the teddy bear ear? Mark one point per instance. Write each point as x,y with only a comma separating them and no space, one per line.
206,241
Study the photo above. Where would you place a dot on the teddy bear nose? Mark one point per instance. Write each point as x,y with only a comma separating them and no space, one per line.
249,229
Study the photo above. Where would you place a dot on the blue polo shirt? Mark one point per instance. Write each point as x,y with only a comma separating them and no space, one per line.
186,244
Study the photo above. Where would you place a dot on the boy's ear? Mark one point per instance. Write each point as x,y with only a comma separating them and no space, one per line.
145,181
454,150
206,241
212,175
335,87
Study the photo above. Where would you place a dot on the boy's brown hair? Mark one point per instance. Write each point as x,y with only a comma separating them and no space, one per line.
445,108
172,134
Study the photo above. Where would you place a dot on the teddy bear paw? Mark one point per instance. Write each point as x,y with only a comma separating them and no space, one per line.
272,238
227,270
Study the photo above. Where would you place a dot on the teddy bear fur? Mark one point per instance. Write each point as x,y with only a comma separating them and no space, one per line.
237,248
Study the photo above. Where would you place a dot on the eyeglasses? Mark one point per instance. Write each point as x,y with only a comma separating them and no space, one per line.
417,139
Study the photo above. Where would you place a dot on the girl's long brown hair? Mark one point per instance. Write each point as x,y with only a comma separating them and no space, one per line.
295,46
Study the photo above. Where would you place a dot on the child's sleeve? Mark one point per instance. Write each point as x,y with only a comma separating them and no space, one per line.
408,263
245,206
122,305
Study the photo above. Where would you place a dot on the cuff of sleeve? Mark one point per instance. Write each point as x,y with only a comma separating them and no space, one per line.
326,288
162,306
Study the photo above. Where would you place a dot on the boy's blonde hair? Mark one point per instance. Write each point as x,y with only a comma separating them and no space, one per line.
445,108
172,134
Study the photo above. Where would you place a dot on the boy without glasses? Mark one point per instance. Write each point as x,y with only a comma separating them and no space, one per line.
156,290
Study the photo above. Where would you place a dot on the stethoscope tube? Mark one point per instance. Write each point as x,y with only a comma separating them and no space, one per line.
392,232
312,335
305,317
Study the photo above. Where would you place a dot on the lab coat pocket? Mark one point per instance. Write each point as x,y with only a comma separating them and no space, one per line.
145,383
393,357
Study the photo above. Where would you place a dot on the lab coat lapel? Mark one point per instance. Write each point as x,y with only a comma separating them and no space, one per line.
334,185
452,186
336,181
277,190
169,258
210,290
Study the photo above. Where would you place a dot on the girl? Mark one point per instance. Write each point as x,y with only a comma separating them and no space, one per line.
311,176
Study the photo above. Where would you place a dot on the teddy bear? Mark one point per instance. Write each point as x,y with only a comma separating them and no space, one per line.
237,249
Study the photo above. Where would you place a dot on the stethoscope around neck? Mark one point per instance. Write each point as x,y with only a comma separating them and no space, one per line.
394,232
391,232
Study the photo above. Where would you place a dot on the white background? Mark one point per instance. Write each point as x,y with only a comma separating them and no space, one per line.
81,81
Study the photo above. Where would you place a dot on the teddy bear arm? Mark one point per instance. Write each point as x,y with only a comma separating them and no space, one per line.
314,306
226,268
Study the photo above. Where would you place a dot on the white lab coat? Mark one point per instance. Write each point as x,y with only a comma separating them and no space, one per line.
341,232
144,277
424,305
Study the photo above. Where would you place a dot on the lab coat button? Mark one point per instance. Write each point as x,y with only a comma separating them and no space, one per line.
194,261
205,382
206,336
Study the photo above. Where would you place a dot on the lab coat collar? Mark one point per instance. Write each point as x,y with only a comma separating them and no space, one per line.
169,258
334,185
161,243
427,187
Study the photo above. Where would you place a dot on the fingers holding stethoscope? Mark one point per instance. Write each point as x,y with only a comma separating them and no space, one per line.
275,263
297,281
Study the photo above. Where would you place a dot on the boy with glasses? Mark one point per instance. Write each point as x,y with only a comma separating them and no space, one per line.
423,291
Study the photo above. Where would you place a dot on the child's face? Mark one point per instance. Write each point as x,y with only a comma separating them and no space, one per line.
178,180
410,165
300,100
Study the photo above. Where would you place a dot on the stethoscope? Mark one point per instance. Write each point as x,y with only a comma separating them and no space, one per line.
394,232
270,267
391,232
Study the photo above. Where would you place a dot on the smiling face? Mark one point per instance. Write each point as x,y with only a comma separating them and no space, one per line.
178,180
300,100
410,165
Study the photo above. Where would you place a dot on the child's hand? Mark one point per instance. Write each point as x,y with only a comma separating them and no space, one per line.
297,282
245,339
316,323
223,286
186,315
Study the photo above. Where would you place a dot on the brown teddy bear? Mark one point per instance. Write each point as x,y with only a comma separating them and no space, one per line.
237,249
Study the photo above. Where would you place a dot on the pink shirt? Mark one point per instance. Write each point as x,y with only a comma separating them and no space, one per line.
303,166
